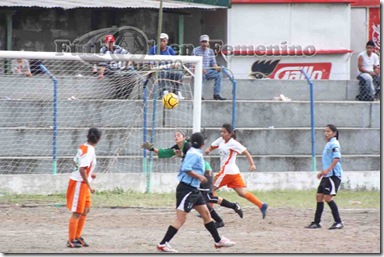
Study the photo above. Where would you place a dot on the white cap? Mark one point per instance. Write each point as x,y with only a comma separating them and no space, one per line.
204,38
163,35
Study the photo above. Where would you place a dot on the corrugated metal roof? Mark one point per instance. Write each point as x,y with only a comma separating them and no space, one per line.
71,4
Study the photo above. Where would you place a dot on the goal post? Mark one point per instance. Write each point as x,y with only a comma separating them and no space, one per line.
64,86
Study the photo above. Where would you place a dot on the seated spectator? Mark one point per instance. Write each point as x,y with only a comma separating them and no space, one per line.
21,67
168,75
369,74
210,68
121,74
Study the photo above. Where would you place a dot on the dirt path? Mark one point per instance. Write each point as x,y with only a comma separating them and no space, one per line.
138,230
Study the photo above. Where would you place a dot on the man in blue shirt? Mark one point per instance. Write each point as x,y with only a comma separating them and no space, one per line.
210,68
168,73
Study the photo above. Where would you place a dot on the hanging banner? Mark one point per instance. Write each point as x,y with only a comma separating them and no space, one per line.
374,27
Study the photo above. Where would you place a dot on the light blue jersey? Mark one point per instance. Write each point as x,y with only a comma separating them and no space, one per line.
193,161
330,152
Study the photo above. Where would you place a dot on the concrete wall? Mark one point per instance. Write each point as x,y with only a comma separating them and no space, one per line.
165,183
359,35
326,26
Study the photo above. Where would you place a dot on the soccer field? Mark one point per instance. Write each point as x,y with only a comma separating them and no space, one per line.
42,228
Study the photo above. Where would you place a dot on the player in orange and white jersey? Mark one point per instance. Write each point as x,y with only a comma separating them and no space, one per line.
229,174
79,188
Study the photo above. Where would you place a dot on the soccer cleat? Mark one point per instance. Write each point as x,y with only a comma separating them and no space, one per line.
337,225
263,209
313,225
166,248
73,244
81,241
238,210
224,242
219,224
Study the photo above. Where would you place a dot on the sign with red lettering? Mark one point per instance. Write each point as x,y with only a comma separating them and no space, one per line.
293,70
374,27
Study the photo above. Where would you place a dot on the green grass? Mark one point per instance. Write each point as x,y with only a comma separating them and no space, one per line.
346,199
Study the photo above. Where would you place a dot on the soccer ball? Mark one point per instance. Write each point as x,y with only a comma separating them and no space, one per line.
170,101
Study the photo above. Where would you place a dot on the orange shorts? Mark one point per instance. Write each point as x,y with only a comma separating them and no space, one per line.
78,196
229,180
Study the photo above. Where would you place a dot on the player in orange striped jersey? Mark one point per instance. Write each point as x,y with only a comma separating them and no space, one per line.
229,174
79,188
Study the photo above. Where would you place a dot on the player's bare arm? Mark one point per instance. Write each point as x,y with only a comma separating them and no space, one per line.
209,149
325,172
361,69
252,165
198,176
85,179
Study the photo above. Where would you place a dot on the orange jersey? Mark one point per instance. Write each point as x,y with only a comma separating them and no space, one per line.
85,157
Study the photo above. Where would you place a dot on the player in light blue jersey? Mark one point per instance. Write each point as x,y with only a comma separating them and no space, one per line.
188,196
330,176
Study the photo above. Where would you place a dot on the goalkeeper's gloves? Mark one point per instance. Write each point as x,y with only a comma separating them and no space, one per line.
179,153
147,146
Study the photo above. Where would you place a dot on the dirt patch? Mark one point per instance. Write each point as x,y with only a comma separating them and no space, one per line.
138,230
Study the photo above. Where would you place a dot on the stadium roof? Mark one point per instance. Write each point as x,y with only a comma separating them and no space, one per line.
71,4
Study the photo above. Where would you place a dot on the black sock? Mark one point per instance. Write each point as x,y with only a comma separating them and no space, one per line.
335,211
214,214
227,204
171,232
213,230
319,211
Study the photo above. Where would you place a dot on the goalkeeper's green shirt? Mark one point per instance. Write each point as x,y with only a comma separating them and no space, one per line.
169,152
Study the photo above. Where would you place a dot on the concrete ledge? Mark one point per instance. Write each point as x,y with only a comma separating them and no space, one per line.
89,87
273,141
44,184
119,113
266,89
134,164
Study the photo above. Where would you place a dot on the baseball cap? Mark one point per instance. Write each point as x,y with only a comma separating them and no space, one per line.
109,38
163,35
204,38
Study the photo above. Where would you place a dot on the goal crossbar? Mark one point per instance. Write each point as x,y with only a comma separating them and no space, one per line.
197,62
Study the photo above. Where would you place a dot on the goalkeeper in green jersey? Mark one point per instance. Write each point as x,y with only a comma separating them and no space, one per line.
180,149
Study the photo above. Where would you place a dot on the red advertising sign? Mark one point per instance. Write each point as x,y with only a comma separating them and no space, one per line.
293,70
374,27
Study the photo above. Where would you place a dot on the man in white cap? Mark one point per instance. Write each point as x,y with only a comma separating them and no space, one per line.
210,68
169,72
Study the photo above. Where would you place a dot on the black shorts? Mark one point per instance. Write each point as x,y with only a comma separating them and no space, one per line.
187,197
329,185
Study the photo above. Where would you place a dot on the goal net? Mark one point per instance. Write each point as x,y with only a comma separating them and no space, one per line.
46,110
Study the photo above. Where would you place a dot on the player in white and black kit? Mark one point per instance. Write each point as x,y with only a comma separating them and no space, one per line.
188,196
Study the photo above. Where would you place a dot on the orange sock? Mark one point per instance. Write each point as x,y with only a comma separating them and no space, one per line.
253,199
80,225
72,228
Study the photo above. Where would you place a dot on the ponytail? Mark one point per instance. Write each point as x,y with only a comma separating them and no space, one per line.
93,135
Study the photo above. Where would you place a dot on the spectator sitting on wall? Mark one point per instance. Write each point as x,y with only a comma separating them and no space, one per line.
121,73
21,67
369,73
168,73
210,68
